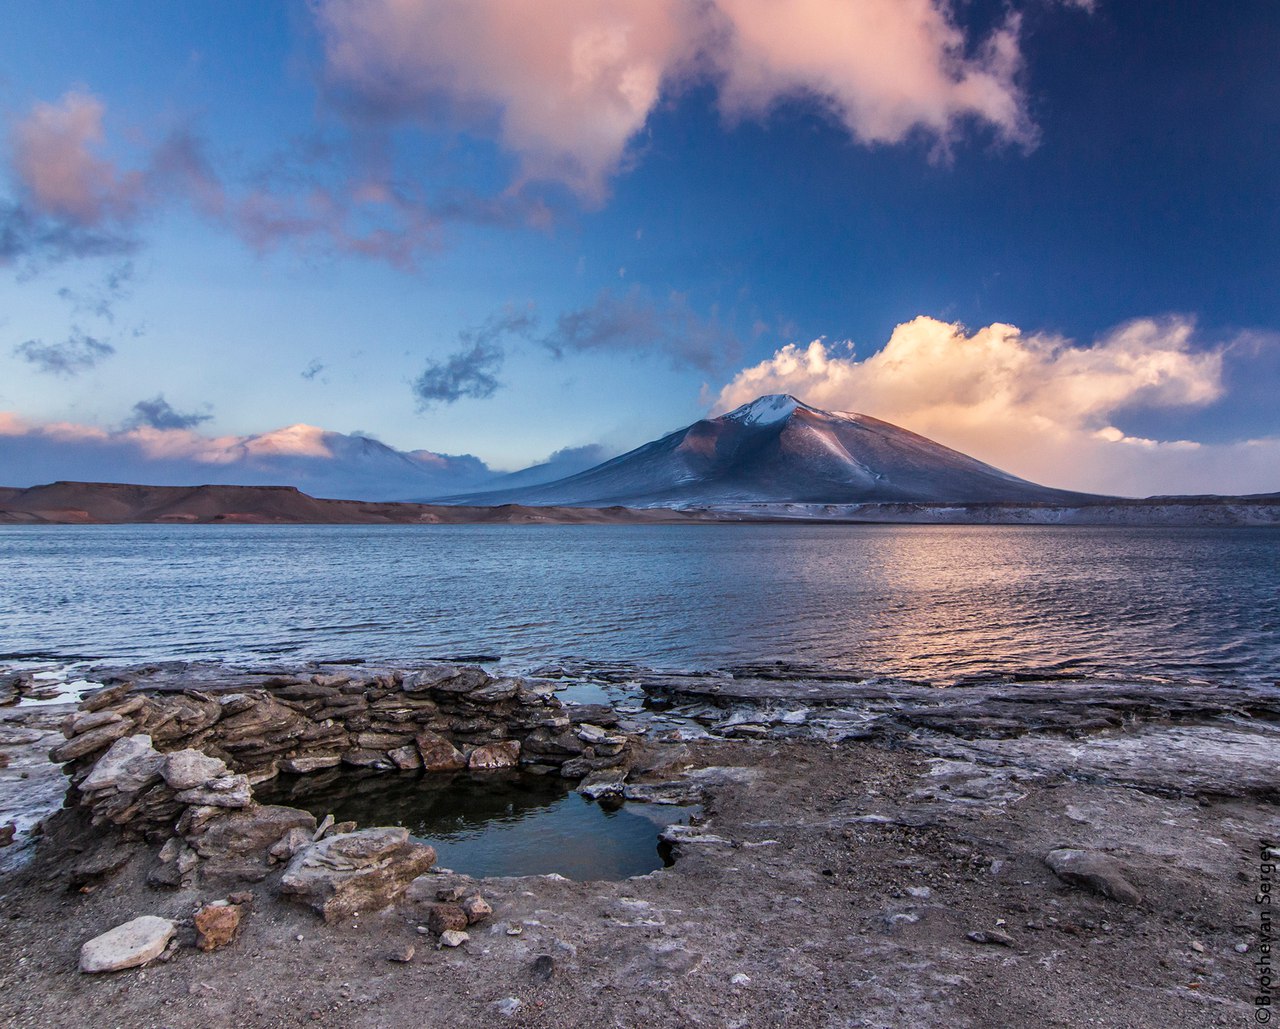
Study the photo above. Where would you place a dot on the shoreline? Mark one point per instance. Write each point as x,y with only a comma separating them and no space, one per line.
856,839
80,503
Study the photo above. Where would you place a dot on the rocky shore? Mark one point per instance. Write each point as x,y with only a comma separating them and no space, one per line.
1034,851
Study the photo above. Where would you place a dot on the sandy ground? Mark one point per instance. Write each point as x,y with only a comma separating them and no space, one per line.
830,885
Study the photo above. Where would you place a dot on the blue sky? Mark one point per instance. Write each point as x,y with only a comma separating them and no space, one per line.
1049,229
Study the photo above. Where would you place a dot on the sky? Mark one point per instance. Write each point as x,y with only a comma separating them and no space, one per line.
1043,232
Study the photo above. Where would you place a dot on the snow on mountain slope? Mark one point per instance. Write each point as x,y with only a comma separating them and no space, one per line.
778,449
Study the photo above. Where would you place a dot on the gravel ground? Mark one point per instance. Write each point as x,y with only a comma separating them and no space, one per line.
829,885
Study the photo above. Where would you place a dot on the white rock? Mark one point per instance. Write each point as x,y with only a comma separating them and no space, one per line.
128,945
453,938
130,764
589,733
508,1006
187,769
739,979
231,791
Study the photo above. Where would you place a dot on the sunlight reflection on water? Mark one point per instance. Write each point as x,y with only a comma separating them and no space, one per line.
929,602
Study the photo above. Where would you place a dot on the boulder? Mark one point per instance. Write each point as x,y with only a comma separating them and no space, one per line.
604,784
380,740
187,769
1094,871
230,791
217,834
217,924
465,679
505,754
362,758
589,733
357,871
443,917
304,763
427,678
545,743
438,754
130,765
103,860
102,698
91,741
495,691
127,946
599,715
179,716
406,758
264,716
476,908
83,721
293,841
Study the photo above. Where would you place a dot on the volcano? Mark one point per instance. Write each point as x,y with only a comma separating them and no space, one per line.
777,449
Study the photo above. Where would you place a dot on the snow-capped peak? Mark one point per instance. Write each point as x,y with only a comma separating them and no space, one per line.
766,410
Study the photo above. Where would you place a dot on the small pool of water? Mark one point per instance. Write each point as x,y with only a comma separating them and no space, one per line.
492,823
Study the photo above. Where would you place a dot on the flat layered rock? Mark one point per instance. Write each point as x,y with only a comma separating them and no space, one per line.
249,832
438,754
187,769
129,765
358,871
1093,871
127,946
495,755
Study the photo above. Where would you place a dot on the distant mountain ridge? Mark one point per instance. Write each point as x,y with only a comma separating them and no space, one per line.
778,449
320,461
114,503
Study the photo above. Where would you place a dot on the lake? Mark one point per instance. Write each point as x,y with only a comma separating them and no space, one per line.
927,602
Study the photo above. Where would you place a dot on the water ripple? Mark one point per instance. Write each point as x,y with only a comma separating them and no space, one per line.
912,601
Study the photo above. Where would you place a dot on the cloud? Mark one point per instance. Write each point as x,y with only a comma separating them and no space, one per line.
472,370
637,322
468,373
77,354
567,85
74,202
883,68
158,413
28,236
100,301
1038,405
564,84
631,322
54,159
323,463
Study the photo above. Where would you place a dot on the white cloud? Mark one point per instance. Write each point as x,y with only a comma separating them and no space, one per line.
567,85
1037,405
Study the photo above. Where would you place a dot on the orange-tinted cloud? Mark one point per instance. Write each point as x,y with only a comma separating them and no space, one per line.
567,85
1040,406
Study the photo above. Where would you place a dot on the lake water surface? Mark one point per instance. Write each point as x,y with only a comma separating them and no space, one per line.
930,602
